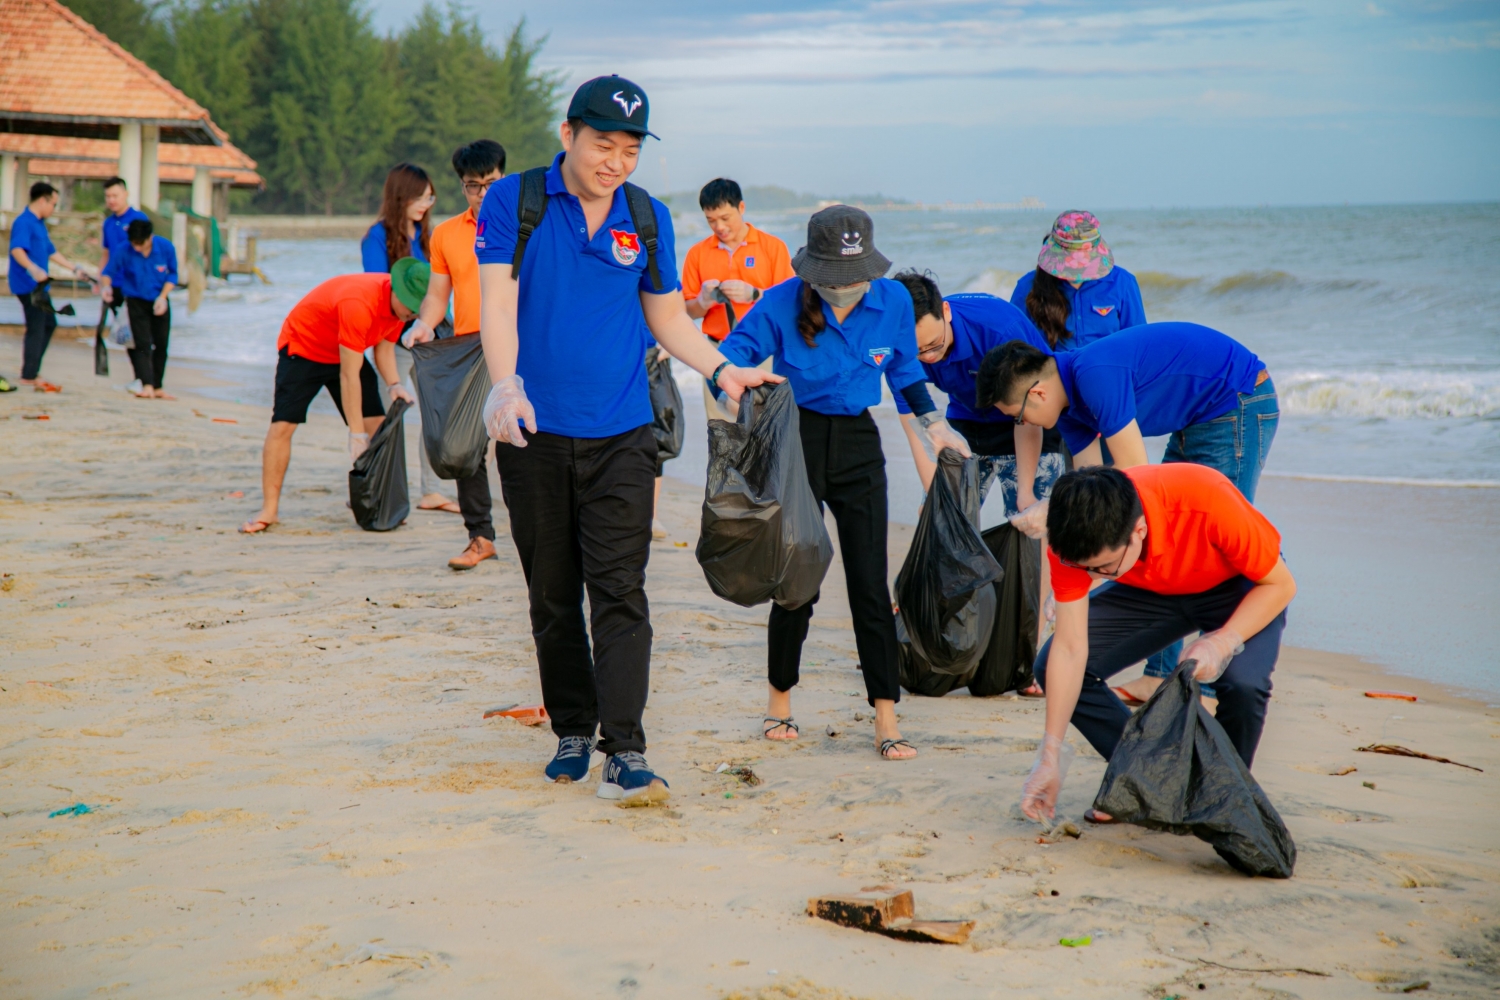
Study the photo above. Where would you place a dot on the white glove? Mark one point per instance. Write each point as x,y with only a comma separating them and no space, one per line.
935,433
159,307
1032,522
1044,784
738,291
706,297
505,409
417,333
358,444
1213,651
399,391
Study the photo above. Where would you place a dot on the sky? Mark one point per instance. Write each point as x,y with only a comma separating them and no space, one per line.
1099,102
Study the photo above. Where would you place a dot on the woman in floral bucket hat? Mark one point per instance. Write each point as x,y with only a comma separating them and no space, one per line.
1077,293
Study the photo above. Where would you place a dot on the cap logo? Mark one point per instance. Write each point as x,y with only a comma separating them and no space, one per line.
853,244
1104,310
628,106
626,246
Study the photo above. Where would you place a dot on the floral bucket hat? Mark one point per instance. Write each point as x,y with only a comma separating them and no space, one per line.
1074,250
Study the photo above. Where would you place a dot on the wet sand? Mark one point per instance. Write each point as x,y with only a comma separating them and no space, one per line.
295,793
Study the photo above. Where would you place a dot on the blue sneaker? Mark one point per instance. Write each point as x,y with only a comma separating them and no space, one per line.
571,762
629,778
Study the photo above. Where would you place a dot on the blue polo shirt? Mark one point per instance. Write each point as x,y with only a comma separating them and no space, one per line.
141,276
1164,376
30,234
841,376
1096,308
581,328
114,236
372,252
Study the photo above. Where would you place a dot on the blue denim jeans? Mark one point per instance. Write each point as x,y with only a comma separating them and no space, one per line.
1236,444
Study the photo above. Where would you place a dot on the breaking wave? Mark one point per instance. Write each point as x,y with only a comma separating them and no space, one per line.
1405,395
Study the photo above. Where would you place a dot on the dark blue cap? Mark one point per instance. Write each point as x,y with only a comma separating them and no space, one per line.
612,104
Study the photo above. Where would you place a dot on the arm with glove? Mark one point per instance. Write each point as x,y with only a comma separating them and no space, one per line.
1267,599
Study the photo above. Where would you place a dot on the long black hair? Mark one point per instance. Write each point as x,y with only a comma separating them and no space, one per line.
1048,307
810,316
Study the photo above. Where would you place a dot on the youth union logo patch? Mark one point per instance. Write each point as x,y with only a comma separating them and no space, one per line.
1104,310
878,355
626,246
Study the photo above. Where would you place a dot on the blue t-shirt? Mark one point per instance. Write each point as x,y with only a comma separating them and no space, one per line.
30,234
115,227
1096,308
141,276
581,330
1164,376
980,323
372,252
841,376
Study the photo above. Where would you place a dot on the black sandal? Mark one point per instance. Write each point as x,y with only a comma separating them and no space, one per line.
887,745
776,723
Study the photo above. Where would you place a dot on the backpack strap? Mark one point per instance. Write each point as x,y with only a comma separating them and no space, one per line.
644,217
529,211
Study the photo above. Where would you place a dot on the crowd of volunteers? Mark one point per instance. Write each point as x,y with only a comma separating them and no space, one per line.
568,274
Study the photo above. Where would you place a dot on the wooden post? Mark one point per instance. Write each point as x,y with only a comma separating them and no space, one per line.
8,184
150,177
130,160
179,240
203,195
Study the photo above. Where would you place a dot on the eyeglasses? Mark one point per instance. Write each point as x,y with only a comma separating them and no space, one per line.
1107,573
477,187
936,351
426,199
1021,417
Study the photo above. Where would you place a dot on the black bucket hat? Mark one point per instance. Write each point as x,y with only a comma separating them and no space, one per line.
840,249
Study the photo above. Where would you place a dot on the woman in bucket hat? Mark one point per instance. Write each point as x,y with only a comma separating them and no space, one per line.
833,332
1078,293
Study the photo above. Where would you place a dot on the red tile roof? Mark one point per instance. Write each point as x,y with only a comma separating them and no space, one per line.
96,159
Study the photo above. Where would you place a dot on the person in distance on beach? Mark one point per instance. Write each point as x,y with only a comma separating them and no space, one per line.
30,250
834,331
1209,392
570,302
455,270
145,269
118,215
1078,293
322,346
1183,549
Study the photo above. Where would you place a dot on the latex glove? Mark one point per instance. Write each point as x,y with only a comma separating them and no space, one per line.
706,297
935,433
399,391
505,409
734,380
107,292
1049,607
1032,522
37,274
358,444
1044,784
1213,651
738,291
417,333
159,307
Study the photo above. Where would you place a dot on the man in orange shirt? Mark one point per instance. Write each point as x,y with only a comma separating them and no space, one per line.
455,271
737,262
322,346
1183,551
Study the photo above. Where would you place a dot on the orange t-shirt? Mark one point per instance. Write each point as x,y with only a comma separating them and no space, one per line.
1200,531
452,253
763,261
352,310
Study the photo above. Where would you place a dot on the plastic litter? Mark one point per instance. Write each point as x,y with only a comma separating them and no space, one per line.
1393,695
452,385
378,491
762,536
944,592
668,423
1007,660
1175,770
1076,942
526,715
77,809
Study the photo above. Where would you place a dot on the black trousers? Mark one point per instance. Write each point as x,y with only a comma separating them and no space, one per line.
580,515
846,468
39,326
149,356
475,502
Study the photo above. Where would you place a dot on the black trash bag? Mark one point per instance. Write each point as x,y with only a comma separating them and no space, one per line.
1175,770
378,491
101,349
41,298
944,588
1006,664
762,537
917,675
667,422
452,385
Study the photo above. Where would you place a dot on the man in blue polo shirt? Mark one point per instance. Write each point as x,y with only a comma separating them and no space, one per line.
145,271
564,333
30,250
118,215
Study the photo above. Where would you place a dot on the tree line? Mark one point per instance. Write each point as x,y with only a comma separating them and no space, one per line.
326,105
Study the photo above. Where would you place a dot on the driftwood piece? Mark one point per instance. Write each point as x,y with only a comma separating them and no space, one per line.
888,915
1400,751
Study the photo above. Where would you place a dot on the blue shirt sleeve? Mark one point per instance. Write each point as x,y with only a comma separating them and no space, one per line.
114,269
1132,309
1023,289
496,230
372,251
904,369
1109,393
666,253
754,338
170,252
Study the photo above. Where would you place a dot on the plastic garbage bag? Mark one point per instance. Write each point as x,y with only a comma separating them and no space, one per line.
452,384
944,588
1175,770
377,483
101,349
41,298
1006,664
667,422
121,334
762,536
916,674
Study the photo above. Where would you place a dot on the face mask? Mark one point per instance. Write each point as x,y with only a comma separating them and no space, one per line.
840,298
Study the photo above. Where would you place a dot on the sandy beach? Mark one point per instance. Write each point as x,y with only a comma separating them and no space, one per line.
293,790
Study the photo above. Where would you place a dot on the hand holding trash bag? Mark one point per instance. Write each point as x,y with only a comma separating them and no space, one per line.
417,333
1032,522
506,408
734,380
1213,651
1044,784
935,433
401,392
357,445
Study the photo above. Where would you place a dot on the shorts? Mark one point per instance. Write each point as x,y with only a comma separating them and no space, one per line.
298,381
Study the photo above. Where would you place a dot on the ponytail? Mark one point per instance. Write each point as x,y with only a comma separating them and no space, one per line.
810,316
1048,307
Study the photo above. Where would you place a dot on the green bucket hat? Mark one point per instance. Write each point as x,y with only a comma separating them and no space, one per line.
409,281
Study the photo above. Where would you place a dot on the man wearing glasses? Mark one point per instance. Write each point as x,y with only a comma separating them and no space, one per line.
1183,550
455,271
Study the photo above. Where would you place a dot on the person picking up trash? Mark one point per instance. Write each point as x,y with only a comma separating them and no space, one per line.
834,331
145,269
577,273
1183,550
322,346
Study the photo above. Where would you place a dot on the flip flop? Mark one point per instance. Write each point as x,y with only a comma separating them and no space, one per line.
1090,816
886,746
47,386
776,723
447,506
1130,700
6,386
253,530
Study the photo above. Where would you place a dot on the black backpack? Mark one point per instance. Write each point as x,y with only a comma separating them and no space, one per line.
532,205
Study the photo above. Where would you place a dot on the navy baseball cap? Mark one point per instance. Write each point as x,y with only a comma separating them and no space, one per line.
612,104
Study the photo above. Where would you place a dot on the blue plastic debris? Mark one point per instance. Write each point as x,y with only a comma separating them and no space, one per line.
77,809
